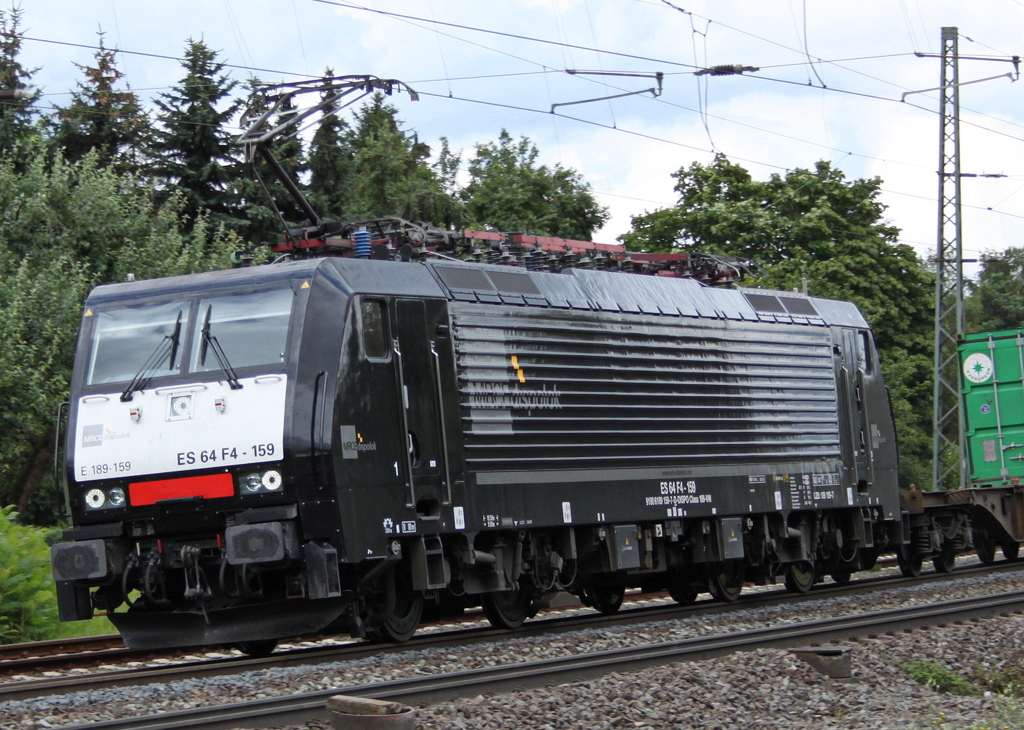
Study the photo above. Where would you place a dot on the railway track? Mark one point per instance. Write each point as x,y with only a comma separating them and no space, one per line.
86,650
90,650
42,652
219,665
443,687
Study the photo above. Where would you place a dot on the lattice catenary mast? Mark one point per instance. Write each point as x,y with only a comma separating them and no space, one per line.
947,449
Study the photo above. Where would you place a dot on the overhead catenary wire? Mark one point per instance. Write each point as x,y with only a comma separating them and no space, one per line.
514,36
408,18
703,113
252,68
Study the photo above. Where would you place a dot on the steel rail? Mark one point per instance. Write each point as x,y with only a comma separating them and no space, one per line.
12,655
445,687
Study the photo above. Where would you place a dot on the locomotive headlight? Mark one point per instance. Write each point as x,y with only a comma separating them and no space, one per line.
112,498
95,498
254,483
272,480
251,483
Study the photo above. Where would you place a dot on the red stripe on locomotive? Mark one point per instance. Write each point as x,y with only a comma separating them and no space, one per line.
209,486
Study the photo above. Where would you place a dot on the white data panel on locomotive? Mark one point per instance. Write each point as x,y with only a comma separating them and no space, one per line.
180,428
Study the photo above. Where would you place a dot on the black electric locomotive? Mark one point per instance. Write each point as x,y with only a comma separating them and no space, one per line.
335,442
341,442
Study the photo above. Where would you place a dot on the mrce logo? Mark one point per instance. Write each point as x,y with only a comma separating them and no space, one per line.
95,435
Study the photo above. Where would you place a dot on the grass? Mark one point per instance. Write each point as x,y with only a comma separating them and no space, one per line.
1005,686
939,679
96,626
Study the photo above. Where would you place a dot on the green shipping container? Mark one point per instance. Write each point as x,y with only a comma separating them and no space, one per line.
992,389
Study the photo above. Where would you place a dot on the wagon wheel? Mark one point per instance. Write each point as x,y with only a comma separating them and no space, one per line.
726,581
606,599
1010,550
945,560
842,574
910,564
800,576
684,593
400,613
507,609
259,648
985,547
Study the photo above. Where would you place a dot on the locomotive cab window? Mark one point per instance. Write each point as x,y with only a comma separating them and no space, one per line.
864,358
374,329
251,328
126,339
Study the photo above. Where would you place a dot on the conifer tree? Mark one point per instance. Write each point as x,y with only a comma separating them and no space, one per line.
103,118
331,165
195,150
263,197
391,176
17,125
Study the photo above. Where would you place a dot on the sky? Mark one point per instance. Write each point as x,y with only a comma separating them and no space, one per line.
833,82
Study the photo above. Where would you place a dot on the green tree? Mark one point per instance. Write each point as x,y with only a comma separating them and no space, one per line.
263,198
815,227
65,227
390,173
447,169
195,152
996,300
103,118
17,125
331,164
508,190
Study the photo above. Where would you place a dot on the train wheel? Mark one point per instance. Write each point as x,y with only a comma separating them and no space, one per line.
507,609
261,648
986,548
402,610
1010,550
800,577
606,599
684,593
726,583
843,575
945,560
910,565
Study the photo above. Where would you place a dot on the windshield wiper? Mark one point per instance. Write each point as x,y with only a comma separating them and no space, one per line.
209,341
168,344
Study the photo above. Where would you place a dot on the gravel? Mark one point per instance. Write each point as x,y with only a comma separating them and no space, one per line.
771,688
757,689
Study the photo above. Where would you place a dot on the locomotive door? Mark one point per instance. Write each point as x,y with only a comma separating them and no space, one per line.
418,382
852,368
